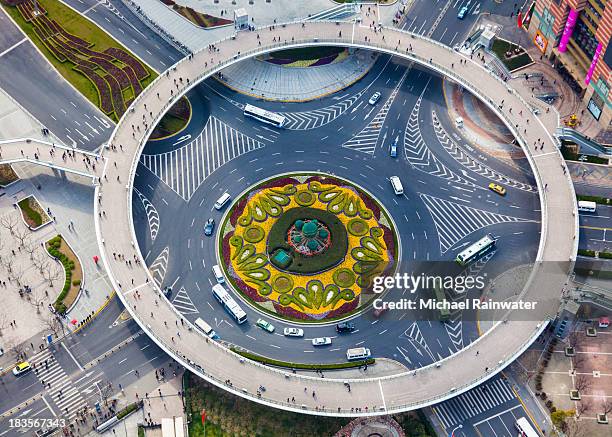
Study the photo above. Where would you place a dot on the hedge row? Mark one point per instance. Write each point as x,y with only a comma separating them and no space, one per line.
302,366
591,253
53,246
128,409
597,199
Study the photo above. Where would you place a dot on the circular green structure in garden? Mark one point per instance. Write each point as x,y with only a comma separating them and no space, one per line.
306,247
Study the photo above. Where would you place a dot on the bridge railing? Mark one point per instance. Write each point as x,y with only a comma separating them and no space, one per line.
212,69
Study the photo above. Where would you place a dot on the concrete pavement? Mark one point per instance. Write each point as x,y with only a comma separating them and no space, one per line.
371,396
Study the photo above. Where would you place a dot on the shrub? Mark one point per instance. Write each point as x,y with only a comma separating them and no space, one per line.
76,282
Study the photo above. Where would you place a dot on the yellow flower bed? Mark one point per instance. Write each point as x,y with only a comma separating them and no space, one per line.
325,277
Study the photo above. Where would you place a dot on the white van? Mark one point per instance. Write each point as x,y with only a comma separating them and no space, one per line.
398,188
358,353
459,122
205,327
218,274
586,206
221,201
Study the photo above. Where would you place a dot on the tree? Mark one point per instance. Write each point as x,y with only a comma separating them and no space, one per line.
578,360
574,428
575,339
50,273
9,221
606,406
582,382
17,349
4,322
22,236
31,248
53,323
36,298
582,407
17,274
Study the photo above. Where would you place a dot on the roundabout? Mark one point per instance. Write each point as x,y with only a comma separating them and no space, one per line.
439,379
305,247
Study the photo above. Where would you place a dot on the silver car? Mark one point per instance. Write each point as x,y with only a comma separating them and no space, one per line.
293,332
321,341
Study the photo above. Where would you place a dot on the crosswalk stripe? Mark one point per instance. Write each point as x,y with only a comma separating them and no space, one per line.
455,221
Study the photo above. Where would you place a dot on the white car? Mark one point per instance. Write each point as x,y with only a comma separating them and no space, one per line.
293,332
321,341
375,97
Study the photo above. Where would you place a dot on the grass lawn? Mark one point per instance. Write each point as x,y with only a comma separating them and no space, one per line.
32,212
174,121
229,415
58,248
79,26
7,175
500,47
306,53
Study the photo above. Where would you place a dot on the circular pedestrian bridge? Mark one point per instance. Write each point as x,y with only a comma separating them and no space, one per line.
376,395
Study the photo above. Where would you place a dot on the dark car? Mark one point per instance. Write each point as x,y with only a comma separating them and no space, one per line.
345,327
209,227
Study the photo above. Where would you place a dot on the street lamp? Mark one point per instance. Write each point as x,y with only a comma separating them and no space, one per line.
452,433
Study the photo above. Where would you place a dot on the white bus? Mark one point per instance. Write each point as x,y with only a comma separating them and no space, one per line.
397,186
476,250
264,116
229,303
205,327
586,206
525,429
358,353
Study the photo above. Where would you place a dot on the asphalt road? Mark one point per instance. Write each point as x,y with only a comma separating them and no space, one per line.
441,197
111,349
35,84
118,20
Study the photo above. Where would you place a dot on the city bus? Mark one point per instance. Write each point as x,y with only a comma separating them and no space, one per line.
476,250
440,297
264,116
229,303
525,429
587,206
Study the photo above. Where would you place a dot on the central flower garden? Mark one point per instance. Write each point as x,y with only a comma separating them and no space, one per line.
306,247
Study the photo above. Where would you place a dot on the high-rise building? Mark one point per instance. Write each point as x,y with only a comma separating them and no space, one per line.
575,36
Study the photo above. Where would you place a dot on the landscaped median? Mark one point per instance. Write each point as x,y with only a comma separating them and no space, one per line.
302,366
7,175
61,251
594,254
597,199
97,65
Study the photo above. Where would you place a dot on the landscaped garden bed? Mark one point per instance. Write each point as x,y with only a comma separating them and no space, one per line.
229,415
581,157
98,66
34,216
200,19
306,247
303,366
512,56
7,175
173,121
307,56
61,251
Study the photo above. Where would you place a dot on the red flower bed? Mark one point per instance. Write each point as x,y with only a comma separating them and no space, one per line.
116,72
106,103
347,307
133,80
73,38
279,61
126,58
370,204
116,95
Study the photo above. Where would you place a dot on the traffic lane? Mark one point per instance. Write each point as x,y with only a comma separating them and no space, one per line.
502,423
595,239
131,32
17,389
10,35
602,217
383,64
35,410
60,108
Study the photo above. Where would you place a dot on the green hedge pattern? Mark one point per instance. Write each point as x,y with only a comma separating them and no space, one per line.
53,246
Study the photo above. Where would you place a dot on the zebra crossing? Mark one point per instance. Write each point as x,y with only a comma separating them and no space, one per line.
454,221
366,140
486,396
418,154
62,391
469,162
184,169
183,303
152,215
454,326
159,267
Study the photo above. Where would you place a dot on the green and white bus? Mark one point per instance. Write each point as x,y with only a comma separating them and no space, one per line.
441,297
476,250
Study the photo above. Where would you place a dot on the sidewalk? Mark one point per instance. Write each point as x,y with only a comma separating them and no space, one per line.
265,80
